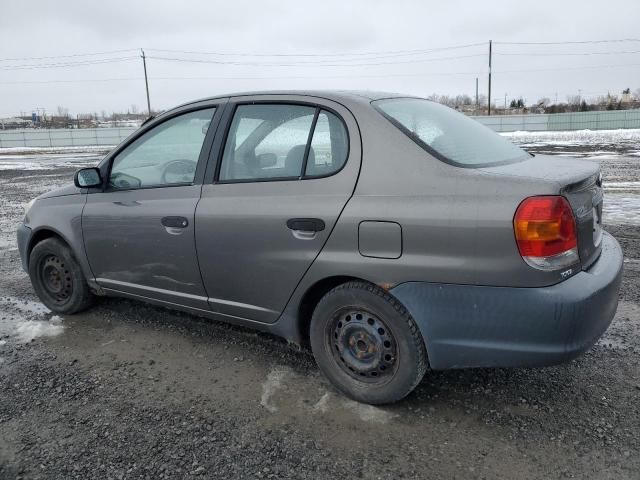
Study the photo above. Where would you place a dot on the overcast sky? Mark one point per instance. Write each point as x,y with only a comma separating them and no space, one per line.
365,43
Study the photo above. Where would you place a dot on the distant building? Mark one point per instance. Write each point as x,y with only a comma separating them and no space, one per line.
14,122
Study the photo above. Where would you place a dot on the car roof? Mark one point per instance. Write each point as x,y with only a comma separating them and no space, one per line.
340,96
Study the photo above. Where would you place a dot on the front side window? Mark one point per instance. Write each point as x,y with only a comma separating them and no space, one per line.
270,141
165,155
453,136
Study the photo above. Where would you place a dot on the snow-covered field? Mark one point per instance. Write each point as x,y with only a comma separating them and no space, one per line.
20,158
617,152
580,142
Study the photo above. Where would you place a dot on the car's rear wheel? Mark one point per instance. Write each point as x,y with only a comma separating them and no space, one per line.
366,343
57,278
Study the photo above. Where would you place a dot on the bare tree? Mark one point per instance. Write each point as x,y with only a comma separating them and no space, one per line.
573,99
62,111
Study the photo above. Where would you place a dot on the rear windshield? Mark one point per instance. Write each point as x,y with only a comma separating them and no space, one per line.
451,136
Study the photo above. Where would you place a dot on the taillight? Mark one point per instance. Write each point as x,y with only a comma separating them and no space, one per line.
545,231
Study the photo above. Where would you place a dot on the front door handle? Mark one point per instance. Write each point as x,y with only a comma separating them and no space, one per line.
173,223
306,224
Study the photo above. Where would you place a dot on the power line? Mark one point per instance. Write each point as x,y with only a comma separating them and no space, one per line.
316,61
110,52
299,64
278,77
65,64
244,54
582,67
88,80
573,42
341,54
551,54
293,77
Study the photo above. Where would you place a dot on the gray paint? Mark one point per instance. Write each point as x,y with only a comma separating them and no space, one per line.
237,261
380,239
478,326
128,247
241,230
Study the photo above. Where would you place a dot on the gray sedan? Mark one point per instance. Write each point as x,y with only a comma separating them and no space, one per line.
390,234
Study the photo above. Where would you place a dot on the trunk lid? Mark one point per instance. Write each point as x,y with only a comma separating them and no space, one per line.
580,182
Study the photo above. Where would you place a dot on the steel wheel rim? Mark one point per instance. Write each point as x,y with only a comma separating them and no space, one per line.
362,345
56,278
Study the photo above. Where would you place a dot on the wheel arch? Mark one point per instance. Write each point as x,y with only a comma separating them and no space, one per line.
312,296
42,234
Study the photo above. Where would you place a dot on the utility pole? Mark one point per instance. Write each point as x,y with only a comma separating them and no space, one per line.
489,99
146,81
477,101
505,101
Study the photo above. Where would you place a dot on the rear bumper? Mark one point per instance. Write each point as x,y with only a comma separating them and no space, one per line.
24,236
478,326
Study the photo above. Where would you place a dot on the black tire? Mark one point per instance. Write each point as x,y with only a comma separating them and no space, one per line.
57,278
366,343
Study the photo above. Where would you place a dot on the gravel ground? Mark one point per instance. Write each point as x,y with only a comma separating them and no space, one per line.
128,390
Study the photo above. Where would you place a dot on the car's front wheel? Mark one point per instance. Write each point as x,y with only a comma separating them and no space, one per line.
57,278
366,343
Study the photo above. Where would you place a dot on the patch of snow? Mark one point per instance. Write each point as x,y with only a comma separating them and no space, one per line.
619,208
273,383
32,329
25,321
47,162
369,413
577,136
8,244
86,148
322,405
25,306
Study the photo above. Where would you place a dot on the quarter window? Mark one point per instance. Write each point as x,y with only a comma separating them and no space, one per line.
329,146
166,155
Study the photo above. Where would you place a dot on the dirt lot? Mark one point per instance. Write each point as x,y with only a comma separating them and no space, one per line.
127,390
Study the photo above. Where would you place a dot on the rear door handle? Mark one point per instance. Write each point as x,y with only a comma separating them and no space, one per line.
306,224
175,222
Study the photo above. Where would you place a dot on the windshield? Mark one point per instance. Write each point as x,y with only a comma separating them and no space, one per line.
451,136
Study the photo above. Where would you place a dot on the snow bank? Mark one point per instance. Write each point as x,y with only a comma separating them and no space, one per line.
24,321
576,137
86,148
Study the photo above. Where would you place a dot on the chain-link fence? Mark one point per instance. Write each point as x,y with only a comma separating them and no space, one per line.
607,120
42,138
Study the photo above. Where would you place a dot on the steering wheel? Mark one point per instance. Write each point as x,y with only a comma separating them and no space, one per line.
124,181
179,171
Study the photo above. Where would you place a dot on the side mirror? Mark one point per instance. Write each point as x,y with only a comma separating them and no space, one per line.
87,178
266,160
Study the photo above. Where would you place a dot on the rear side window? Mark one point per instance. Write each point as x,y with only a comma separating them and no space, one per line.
280,142
452,136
